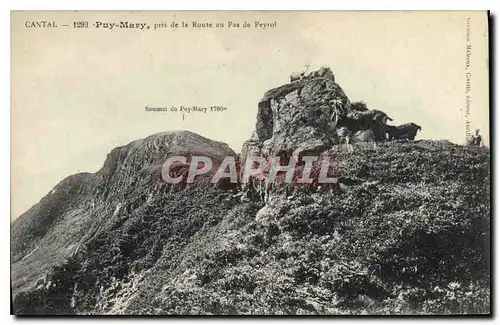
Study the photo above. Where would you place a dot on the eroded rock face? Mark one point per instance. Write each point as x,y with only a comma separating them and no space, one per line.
298,116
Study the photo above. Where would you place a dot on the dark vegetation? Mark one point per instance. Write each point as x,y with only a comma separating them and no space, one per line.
407,233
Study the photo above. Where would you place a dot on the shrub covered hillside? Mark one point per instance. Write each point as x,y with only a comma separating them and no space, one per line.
406,233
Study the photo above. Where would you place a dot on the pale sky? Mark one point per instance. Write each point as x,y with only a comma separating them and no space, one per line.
78,93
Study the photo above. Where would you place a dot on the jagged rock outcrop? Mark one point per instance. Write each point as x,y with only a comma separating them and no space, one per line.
297,117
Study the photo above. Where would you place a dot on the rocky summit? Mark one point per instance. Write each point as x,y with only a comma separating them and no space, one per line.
82,205
406,232
297,117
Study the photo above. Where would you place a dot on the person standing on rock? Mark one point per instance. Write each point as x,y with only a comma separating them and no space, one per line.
476,140
336,107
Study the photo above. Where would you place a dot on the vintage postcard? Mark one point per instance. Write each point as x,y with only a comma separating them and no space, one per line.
250,163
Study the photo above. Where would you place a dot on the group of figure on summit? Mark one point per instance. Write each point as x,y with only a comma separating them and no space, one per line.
354,122
361,124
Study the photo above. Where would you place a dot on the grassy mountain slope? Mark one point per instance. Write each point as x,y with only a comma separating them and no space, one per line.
408,232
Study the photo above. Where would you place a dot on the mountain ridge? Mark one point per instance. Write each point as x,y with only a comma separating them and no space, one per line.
407,232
